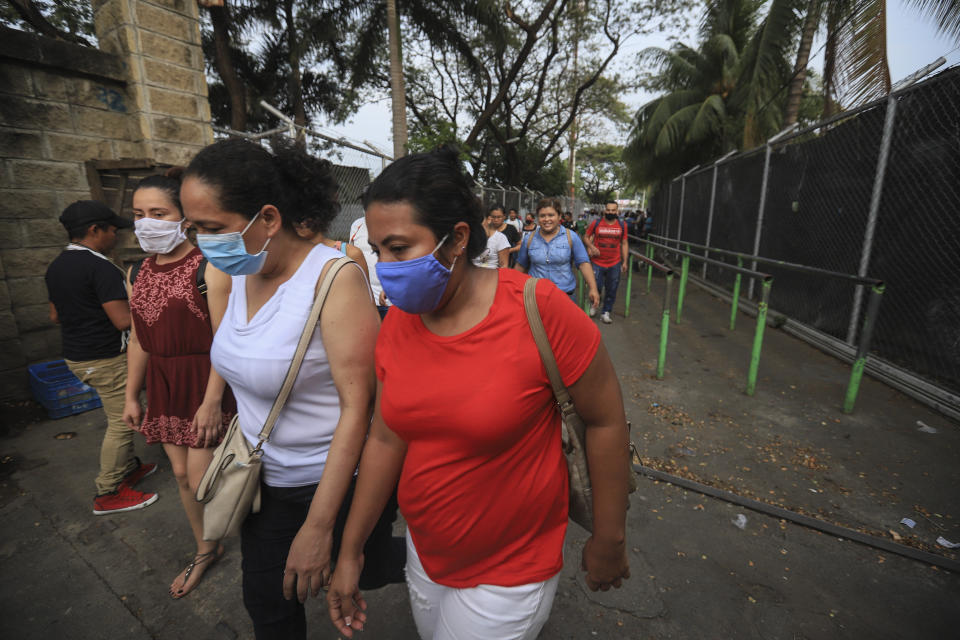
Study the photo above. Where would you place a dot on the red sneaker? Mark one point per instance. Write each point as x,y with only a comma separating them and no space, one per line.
139,472
123,499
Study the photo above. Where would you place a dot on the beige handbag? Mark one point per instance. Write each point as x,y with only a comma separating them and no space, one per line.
230,488
572,429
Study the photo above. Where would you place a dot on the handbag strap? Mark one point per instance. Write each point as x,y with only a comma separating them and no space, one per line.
323,288
560,392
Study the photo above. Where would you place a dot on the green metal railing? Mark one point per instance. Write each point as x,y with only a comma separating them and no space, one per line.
665,311
877,288
765,278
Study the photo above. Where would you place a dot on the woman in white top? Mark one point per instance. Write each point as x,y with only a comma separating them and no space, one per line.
497,253
244,201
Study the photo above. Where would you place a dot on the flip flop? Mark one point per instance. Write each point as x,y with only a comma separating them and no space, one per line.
210,558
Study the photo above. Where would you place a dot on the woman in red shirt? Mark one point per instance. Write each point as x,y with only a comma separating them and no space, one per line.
482,485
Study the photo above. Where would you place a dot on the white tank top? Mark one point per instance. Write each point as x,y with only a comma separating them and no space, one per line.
253,357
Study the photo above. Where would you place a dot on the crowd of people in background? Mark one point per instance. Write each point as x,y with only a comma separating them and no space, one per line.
380,415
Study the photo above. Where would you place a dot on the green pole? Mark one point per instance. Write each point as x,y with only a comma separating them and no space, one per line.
736,297
758,338
863,348
649,266
664,327
684,272
584,298
626,310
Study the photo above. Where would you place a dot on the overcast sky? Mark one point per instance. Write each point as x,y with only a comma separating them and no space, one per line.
911,44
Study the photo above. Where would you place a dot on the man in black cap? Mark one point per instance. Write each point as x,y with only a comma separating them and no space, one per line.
88,298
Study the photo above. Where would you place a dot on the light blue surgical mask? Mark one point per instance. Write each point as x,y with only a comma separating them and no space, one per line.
417,285
227,252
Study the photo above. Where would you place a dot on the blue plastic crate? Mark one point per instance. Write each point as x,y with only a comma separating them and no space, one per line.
59,391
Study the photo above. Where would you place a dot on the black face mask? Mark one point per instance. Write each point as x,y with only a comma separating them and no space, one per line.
610,216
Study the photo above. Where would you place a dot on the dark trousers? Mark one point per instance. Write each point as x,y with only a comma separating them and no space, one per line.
265,541
608,279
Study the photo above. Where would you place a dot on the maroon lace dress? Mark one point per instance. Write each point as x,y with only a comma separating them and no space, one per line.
172,322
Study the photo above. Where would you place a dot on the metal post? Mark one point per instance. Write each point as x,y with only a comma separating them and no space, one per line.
863,349
736,297
875,197
758,337
763,203
681,292
585,302
626,310
664,326
649,266
666,227
763,199
683,193
713,198
580,288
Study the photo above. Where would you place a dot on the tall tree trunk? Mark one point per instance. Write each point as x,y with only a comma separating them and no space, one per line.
220,17
830,64
295,82
795,92
398,97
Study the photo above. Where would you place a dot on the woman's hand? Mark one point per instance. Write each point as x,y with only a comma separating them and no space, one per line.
605,563
132,412
207,423
308,563
346,604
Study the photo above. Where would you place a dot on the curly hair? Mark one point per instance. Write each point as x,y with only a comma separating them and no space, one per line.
248,177
543,203
437,188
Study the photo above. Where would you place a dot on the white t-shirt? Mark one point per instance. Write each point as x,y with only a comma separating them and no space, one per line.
516,224
359,239
253,357
490,258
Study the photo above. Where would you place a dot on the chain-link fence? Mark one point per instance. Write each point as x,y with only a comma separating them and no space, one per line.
353,167
873,192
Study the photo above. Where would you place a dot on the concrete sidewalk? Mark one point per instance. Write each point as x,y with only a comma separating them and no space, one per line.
696,574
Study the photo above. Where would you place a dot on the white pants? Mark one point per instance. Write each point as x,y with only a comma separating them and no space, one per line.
479,613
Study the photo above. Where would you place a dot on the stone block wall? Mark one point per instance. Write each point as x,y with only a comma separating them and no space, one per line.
142,95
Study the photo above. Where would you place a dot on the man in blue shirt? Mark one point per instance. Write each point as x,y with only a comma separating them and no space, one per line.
552,251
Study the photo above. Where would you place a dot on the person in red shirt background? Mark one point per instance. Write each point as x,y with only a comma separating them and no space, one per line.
483,486
607,246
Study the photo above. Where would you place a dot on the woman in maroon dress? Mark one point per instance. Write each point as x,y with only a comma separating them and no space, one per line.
188,404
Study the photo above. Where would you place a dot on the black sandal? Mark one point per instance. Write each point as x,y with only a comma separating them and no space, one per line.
200,558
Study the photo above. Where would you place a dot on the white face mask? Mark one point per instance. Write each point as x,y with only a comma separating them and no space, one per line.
159,236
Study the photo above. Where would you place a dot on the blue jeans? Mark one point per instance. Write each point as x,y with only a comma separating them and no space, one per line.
608,279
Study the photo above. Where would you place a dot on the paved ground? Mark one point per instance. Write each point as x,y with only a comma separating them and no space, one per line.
67,574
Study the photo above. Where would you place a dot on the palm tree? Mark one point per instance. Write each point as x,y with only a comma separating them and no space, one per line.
717,95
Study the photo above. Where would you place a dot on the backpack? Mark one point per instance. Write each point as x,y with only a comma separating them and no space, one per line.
201,270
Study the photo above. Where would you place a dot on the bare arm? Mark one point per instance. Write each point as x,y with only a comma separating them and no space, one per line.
592,250
357,256
599,402
503,258
119,313
587,270
54,318
380,469
208,420
349,325
624,253
137,360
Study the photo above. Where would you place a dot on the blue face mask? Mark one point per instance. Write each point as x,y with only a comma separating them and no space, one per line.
227,252
417,285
